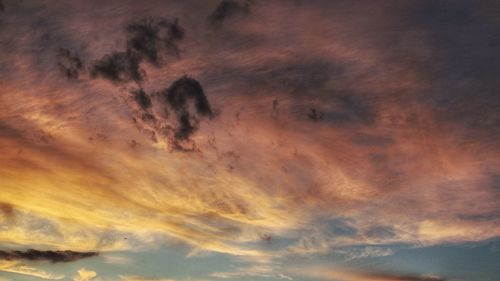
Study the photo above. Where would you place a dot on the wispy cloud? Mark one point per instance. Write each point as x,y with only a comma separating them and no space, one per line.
116,259
19,268
255,271
139,278
365,252
334,273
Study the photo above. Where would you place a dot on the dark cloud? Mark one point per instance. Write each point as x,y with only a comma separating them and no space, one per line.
52,256
342,227
372,140
403,277
2,8
480,217
463,41
494,182
143,39
228,9
148,40
149,36
275,112
177,96
69,64
118,67
173,113
8,131
141,98
186,127
275,104
7,209
266,237
381,232
350,108
313,86
310,76
185,89
315,115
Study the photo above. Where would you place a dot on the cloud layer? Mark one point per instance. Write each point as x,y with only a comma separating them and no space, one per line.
233,127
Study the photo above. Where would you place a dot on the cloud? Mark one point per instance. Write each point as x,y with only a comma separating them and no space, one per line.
52,256
177,96
186,88
85,275
14,267
315,116
118,67
366,252
380,232
256,271
69,64
333,273
141,98
6,209
228,9
140,278
174,113
116,259
149,39
398,146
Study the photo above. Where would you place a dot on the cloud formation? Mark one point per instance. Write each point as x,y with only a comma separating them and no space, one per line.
69,64
85,275
52,256
332,273
139,278
14,267
321,129
228,9
149,39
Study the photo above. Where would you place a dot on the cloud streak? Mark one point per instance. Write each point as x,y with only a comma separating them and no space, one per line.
52,256
13,267
331,273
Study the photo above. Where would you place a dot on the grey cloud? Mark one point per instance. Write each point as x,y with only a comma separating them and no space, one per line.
52,256
228,9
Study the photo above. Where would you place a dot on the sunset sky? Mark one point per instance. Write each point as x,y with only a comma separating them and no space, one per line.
176,140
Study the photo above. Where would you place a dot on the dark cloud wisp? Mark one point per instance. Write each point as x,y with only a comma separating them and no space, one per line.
52,256
148,37
141,98
69,63
118,67
228,9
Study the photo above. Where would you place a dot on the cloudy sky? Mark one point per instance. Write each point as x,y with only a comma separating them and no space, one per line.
249,140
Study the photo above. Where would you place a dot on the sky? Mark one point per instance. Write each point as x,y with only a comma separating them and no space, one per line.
181,140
